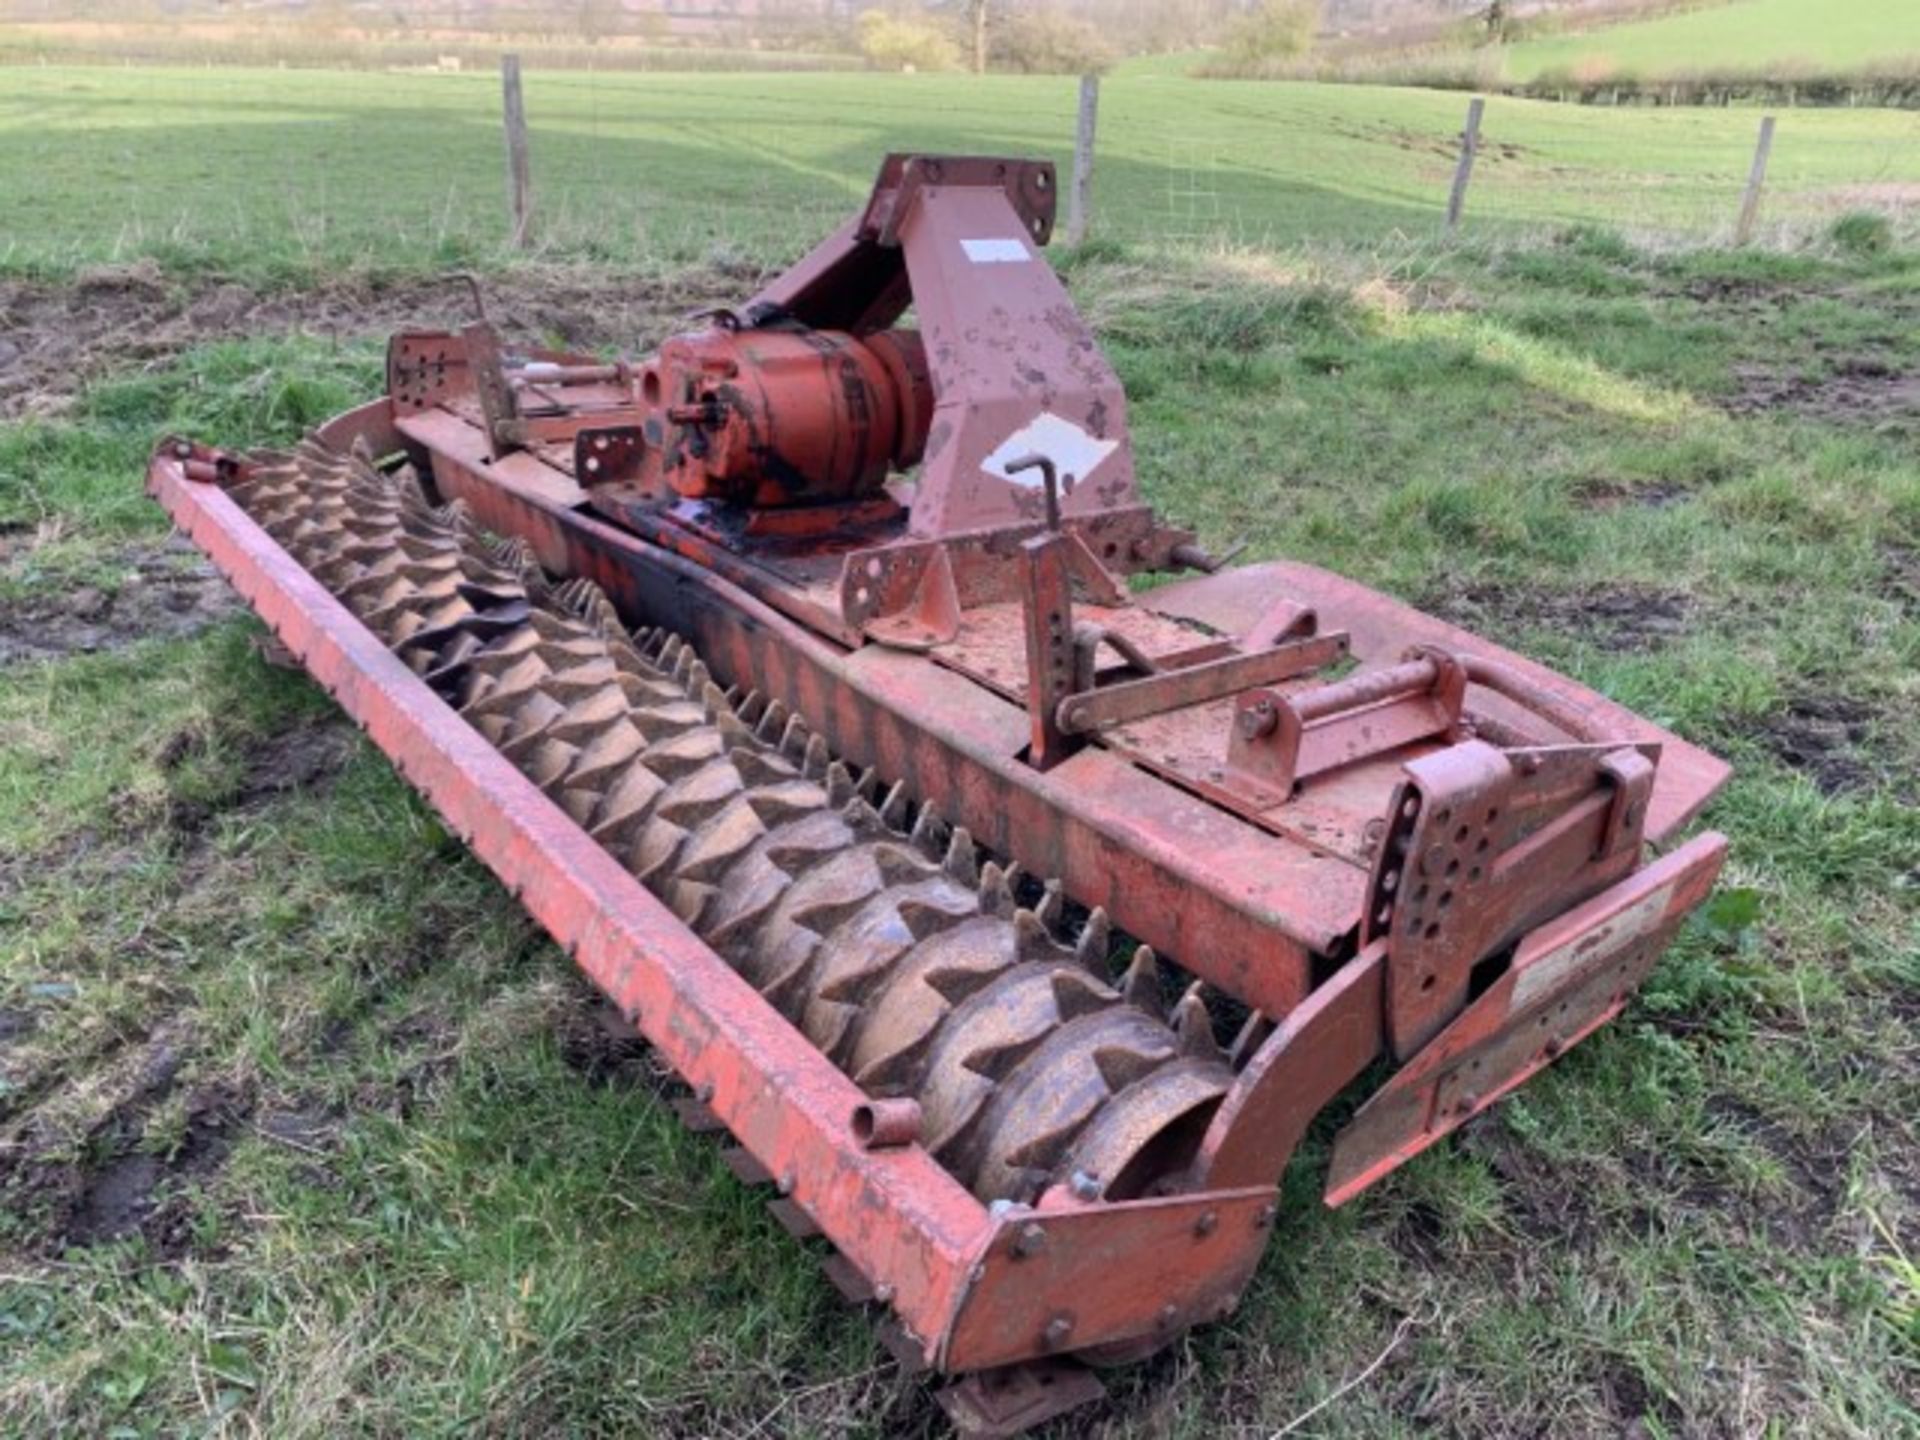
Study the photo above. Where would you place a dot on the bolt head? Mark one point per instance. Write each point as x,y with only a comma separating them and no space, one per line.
1059,1330
1268,1214
1258,718
1030,1241
1208,1222
1169,1314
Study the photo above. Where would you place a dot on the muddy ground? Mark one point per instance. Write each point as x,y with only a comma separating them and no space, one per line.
54,338
147,591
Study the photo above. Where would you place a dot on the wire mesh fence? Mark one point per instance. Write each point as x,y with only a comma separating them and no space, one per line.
262,167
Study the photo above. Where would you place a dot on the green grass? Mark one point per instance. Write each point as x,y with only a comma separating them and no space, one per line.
408,1188
280,173
1745,35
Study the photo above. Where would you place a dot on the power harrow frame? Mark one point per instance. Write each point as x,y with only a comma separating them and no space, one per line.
1440,858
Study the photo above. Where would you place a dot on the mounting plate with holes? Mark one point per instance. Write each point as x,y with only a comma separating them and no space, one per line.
609,455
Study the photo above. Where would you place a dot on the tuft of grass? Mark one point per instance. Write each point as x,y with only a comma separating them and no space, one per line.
1863,232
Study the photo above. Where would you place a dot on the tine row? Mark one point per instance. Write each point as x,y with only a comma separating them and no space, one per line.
875,927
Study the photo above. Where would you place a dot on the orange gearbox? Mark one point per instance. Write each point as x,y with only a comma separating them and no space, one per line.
784,415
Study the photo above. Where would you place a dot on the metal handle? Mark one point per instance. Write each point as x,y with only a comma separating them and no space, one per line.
1049,480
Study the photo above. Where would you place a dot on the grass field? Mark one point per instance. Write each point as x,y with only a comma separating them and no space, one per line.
306,1131
304,172
1745,35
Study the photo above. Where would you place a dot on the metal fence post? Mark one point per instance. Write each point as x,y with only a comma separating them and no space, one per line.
1463,172
1756,181
1080,215
519,183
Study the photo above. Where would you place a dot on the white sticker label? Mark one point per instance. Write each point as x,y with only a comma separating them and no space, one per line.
1589,949
1074,451
997,251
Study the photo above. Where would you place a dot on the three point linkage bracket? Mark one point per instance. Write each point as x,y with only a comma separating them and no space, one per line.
1063,703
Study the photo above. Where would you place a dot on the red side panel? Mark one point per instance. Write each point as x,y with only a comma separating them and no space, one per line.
1568,978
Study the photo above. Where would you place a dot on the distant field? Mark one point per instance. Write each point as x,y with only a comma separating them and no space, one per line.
266,170
1750,34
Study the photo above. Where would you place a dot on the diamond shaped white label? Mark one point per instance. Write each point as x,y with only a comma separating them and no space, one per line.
1075,452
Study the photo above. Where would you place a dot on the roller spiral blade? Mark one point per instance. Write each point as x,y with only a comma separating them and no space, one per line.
877,930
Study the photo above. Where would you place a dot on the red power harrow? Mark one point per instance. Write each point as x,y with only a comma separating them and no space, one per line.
791,677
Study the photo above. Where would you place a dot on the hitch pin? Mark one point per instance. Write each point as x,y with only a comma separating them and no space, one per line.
1192,557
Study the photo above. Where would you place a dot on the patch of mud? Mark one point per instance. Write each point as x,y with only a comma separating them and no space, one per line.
1615,618
1745,291
1544,1206
140,1188
54,339
431,1036
599,1043
1634,1404
1823,736
14,1024
163,590
307,757
1816,1171
1603,494
1902,582
1863,391
113,1180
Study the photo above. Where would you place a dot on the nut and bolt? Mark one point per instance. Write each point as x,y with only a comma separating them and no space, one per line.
1030,1241
1259,719
1084,1186
1208,1222
1268,1214
1059,1330
1169,1315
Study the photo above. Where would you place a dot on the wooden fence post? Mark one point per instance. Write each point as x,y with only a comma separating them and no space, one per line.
1463,172
519,184
1756,180
1080,215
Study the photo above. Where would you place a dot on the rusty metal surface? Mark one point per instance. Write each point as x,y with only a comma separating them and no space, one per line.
1383,629
1009,1401
1091,1260
1314,1054
1238,906
896,1211
1484,843
1569,978
943,1264
990,645
1198,684
1047,621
